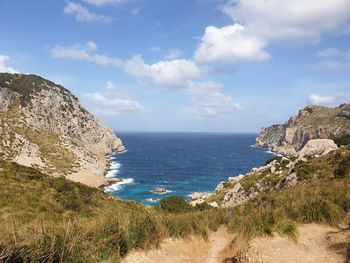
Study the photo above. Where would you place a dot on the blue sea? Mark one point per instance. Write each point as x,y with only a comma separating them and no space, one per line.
182,163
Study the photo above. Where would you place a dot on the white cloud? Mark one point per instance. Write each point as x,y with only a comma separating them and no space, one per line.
4,67
210,105
289,19
173,54
105,2
82,14
331,64
84,53
168,74
336,59
229,44
321,100
329,52
113,102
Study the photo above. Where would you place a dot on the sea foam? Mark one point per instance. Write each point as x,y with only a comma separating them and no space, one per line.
117,186
113,170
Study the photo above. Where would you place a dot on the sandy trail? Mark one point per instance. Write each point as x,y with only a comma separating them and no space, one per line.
194,250
316,243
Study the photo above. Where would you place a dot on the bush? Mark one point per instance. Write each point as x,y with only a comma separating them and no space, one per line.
342,168
276,157
175,204
343,140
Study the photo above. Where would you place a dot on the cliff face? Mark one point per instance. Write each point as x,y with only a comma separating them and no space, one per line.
43,125
312,122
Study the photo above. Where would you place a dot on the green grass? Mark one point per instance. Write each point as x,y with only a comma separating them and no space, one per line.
45,218
51,219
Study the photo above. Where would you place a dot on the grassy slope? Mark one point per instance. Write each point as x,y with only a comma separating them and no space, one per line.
53,219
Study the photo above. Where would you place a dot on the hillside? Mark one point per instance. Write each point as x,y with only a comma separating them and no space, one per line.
51,219
43,125
312,122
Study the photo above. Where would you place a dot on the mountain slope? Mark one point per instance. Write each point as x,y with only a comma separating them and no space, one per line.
43,125
312,122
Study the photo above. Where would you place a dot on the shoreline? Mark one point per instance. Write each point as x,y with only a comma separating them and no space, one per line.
92,179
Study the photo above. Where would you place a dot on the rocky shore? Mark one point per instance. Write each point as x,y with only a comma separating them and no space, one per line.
276,175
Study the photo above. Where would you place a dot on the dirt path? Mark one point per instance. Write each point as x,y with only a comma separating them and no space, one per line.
194,250
315,244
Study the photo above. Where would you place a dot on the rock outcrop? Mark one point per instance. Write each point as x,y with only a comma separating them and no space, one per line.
279,174
312,122
317,147
43,125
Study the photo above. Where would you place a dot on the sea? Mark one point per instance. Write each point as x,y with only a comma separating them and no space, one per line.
182,163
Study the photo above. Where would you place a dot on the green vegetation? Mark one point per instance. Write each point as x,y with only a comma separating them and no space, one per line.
324,116
343,140
51,219
44,219
28,85
175,204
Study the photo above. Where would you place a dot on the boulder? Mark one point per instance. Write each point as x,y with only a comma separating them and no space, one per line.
197,202
196,196
159,190
213,204
317,147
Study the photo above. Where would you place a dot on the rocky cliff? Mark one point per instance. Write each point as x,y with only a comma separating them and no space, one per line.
320,159
43,125
312,122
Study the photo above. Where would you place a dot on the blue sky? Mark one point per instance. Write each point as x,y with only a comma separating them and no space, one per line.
200,65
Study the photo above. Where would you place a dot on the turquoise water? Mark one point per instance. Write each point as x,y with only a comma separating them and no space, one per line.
182,163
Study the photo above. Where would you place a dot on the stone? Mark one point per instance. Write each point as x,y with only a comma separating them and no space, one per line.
198,195
159,190
213,204
219,187
317,147
273,169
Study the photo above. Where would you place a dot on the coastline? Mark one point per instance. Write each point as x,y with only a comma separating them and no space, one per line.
92,179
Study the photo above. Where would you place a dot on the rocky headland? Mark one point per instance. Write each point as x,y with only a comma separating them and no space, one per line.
44,126
305,151
312,122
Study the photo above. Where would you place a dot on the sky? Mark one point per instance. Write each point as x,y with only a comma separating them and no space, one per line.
184,65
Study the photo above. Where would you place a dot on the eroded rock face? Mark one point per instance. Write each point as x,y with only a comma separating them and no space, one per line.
312,122
44,125
317,147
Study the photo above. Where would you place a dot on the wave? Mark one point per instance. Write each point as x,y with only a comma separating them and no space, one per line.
113,170
118,186
270,152
153,200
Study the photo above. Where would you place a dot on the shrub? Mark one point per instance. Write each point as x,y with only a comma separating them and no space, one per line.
343,140
276,157
175,204
342,168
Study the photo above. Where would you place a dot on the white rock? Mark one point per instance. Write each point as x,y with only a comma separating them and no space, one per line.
273,169
317,147
219,187
197,195
213,204
197,202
